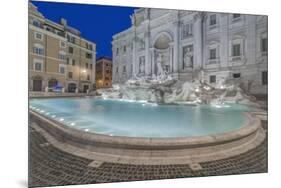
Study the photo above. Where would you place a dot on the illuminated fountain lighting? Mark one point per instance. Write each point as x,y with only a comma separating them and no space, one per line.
197,90
222,87
42,111
47,113
86,130
72,124
110,134
61,119
53,116
198,100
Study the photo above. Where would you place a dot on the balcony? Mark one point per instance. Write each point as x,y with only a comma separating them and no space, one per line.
211,27
236,58
212,61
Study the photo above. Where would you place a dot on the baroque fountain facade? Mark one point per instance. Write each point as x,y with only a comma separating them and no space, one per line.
182,44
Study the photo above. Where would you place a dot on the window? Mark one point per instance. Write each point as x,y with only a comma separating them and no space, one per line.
38,49
124,49
62,55
61,69
236,75
213,79
88,77
71,39
124,68
73,62
62,44
70,74
87,65
264,78
38,36
213,19
36,23
89,46
89,55
117,51
91,66
38,66
70,50
116,69
264,45
67,61
213,54
236,16
236,50
187,30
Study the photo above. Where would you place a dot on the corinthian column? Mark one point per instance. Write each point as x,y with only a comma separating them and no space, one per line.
175,49
198,36
134,54
147,54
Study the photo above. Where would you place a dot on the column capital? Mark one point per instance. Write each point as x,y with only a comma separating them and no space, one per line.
199,16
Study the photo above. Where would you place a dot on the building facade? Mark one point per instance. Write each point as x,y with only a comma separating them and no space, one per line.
185,42
58,56
104,72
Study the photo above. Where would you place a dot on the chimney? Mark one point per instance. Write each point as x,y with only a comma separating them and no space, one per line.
63,21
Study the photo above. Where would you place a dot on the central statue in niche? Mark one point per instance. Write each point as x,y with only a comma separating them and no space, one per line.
159,61
162,55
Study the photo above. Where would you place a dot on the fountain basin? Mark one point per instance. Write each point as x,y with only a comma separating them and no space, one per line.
150,149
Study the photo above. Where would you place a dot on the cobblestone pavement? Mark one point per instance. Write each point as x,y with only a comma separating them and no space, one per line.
49,166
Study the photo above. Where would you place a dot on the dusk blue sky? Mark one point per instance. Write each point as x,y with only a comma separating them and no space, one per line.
96,23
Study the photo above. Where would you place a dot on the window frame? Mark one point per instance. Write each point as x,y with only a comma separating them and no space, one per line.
235,75
62,42
37,61
38,33
211,57
264,79
61,66
70,73
233,51
70,51
215,20
212,79
62,55
266,45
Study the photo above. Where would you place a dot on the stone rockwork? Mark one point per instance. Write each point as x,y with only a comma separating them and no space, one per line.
169,90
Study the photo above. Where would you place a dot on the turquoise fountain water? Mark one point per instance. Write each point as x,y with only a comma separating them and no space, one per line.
141,119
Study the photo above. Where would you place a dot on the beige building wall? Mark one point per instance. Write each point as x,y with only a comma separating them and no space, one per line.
55,46
104,72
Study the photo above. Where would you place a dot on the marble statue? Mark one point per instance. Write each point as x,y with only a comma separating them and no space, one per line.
160,71
142,65
187,60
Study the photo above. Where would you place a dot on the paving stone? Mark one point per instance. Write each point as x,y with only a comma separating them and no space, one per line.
52,167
